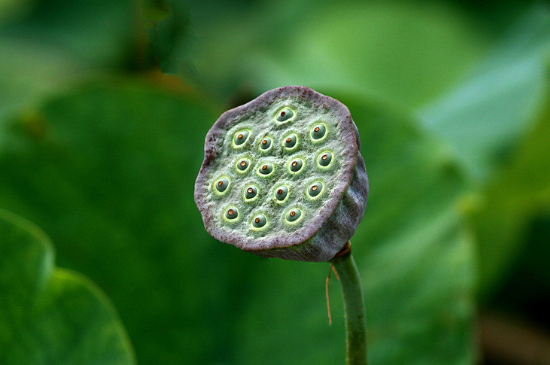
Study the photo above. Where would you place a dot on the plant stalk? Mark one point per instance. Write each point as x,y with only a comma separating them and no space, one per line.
354,308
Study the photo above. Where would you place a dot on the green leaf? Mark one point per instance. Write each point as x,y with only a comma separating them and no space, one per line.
493,125
404,52
510,200
418,256
51,315
12,10
166,25
485,117
113,168
18,88
91,31
51,45
525,285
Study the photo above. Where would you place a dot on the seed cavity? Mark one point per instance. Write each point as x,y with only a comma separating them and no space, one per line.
265,169
221,184
315,189
231,213
240,138
293,215
290,141
265,144
281,193
318,132
243,165
250,192
325,159
296,165
284,115
259,221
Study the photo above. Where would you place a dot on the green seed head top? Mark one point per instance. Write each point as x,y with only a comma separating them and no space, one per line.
283,176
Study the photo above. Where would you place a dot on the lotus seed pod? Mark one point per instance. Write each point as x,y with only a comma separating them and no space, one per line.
283,176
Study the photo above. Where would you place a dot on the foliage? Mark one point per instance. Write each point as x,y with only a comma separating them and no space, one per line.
101,149
51,315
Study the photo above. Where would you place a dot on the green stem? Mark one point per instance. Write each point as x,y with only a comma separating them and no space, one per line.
354,307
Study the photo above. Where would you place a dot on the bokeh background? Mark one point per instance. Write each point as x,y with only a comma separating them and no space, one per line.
104,106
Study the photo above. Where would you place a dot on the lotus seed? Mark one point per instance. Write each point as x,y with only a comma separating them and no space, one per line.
242,165
222,184
259,221
318,132
265,143
281,193
231,213
265,169
240,138
293,215
290,141
315,189
284,115
251,192
325,159
296,165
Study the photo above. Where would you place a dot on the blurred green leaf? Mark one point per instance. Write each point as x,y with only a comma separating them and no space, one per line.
53,44
418,256
50,315
485,117
525,287
30,72
97,33
494,127
12,10
113,168
510,200
166,24
406,52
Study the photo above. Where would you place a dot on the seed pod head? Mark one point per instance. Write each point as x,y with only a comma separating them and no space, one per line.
283,176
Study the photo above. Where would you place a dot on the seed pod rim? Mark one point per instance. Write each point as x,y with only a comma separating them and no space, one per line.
214,147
